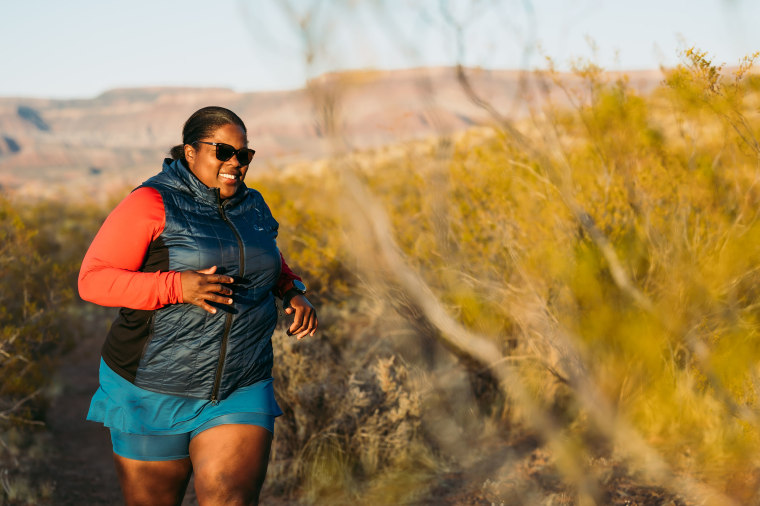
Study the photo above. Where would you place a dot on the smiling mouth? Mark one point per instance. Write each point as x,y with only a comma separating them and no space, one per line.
229,177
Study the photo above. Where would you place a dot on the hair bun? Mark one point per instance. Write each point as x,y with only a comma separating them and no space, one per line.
177,152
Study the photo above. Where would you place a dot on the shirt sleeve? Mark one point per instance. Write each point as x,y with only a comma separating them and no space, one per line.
285,281
110,273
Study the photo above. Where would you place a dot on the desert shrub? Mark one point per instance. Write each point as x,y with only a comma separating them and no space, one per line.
612,257
41,245
33,293
351,416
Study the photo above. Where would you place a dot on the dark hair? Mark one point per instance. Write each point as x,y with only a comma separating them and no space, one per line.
202,124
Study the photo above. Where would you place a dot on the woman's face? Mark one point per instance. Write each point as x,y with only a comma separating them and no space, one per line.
214,173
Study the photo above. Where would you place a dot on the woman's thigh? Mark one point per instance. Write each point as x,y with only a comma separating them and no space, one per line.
152,469
152,482
230,463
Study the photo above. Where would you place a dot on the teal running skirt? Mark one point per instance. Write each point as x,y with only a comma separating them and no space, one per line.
147,425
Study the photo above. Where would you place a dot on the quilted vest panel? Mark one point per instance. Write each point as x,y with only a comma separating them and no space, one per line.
190,351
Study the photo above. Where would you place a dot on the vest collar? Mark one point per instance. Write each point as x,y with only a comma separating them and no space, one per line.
186,181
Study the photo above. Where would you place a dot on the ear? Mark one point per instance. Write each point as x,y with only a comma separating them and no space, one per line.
189,152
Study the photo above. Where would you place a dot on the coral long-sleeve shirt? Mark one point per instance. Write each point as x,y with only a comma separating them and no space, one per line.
111,270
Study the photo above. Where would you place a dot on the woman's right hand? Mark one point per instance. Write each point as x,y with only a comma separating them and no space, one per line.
201,287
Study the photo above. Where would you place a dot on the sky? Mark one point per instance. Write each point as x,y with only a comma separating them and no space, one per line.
81,48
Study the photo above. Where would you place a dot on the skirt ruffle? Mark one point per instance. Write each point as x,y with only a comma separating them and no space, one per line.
120,405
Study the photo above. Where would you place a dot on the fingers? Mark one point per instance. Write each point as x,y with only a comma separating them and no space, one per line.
203,286
297,324
204,305
219,278
218,288
309,328
202,300
305,320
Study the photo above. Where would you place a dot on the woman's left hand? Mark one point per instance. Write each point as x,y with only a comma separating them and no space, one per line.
305,320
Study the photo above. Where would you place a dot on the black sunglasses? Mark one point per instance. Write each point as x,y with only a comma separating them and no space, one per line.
224,152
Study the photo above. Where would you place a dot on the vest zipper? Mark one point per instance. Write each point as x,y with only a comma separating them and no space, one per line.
228,320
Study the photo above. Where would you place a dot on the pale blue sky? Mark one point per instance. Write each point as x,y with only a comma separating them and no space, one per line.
80,48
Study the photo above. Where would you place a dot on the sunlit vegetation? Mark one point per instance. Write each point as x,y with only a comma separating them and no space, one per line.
610,253
41,246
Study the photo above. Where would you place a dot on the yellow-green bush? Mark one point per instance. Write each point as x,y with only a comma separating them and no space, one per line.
669,181
41,245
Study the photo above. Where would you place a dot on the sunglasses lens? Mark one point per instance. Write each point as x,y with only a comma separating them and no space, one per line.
244,156
224,152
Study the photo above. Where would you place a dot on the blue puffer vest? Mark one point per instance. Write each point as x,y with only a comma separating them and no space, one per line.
189,351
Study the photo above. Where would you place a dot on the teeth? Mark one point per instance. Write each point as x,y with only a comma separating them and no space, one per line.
228,176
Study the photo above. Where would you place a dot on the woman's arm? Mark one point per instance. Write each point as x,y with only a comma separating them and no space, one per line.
304,315
285,281
110,273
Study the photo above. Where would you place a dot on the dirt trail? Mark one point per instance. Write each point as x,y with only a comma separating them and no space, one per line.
80,464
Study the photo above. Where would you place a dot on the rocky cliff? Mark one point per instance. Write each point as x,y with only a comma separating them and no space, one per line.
121,136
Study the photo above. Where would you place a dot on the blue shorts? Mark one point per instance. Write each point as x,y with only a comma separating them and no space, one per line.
177,446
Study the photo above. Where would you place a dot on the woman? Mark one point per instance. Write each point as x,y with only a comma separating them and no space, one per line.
185,376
